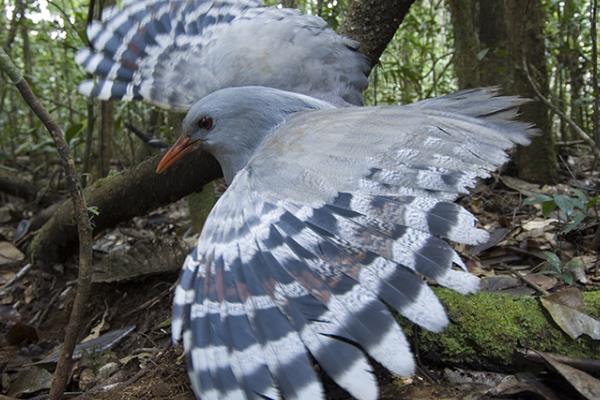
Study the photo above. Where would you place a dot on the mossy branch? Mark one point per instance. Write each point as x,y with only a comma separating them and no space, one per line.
487,328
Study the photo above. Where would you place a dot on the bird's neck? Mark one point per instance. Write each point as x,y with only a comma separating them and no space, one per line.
255,120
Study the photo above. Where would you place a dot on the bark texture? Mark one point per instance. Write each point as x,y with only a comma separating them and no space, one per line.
121,197
373,24
106,130
466,42
14,186
525,20
494,66
480,43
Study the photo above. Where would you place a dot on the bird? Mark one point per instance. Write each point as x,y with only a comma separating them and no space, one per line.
335,212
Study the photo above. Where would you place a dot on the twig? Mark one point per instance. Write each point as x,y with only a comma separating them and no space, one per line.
22,272
84,280
119,385
534,285
149,303
584,136
148,139
595,87
585,364
570,143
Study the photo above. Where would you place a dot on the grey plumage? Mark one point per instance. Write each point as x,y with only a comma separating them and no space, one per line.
172,53
331,213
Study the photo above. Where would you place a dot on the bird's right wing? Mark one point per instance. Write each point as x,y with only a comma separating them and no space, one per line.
173,53
339,213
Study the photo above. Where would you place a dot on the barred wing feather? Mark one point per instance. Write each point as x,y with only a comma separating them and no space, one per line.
173,53
338,214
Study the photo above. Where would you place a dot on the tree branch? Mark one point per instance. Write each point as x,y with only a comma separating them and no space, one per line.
84,228
584,136
373,24
117,198
15,186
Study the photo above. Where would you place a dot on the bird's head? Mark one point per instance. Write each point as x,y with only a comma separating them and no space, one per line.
230,123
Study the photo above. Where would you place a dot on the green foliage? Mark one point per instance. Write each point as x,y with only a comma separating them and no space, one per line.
418,63
565,271
571,210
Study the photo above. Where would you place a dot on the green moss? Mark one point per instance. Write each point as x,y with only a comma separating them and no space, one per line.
487,327
200,205
592,303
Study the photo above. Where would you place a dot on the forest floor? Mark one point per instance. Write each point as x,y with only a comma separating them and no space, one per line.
126,352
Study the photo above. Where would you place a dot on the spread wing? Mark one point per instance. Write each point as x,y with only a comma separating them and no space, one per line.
172,53
311,242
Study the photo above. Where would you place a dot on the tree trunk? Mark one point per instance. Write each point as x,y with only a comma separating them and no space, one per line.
594,78
373,24
525,21
27,60
105,149
570,64
494,66
466,42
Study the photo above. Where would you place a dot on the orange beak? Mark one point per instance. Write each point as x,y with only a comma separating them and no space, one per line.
180,148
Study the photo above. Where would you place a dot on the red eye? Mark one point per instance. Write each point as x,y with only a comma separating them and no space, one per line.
205,123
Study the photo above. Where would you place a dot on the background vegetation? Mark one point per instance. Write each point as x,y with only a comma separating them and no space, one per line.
425,58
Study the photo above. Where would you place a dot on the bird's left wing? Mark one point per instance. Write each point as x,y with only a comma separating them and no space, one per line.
338,214
173,53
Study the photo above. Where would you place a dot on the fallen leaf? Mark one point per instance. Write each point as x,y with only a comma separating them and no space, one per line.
9,253
6,276
87,379
523,383
29,381
103,343
544,281
570,297
141,259
498,283
585,384
539,224
99,328
564,309
526,188
495,237
143,356
105,371
30,292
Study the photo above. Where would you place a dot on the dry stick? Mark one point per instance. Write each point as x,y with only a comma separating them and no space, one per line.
558,111
595,87
84,279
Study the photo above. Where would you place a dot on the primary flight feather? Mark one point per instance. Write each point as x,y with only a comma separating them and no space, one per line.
333,213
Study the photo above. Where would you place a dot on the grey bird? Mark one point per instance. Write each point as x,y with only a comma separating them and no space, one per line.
334,213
